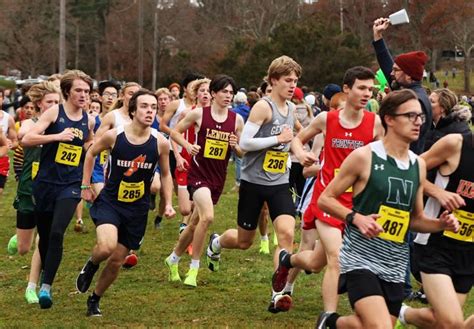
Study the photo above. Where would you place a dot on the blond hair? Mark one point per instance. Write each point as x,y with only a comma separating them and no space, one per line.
163,90
195,87
281,66
39,90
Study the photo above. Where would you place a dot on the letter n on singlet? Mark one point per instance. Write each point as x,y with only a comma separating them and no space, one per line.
400,191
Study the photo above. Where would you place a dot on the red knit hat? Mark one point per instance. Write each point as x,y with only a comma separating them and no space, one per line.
298,93
412,63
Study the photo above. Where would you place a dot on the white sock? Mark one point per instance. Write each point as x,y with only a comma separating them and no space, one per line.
174,259
31,285
216,245
194,263
288,287
264,237
401,315
46,287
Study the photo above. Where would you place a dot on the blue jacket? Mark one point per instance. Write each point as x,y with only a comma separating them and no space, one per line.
385,60
243,110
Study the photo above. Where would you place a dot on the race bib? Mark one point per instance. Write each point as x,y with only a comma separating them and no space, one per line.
34,169
394,222
336,172
275,162
130,192
466,226
68,154
215,149
103,157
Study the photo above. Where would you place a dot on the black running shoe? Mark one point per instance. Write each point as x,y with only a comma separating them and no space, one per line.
158,220
84,278
281,274
93,307
321,322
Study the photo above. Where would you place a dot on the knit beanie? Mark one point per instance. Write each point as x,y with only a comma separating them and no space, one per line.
412,64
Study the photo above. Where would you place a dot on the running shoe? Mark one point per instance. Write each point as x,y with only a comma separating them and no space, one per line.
417,296
12,247
191,277
321,322
281,302
182,226
264,247
93,307
152,201
31,296
399,325
173,275
158,220
213,258
86,275
281,274
45,299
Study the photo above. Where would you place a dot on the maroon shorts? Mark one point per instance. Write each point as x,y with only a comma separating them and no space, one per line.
216,191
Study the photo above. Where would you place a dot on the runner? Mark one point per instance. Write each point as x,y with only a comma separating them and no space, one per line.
344,131
7,124
264,178
218,130
64,131
446,260
43,95
387,179
120,211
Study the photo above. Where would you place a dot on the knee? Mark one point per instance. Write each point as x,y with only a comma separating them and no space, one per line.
23,249
378,323
333,260
244,245
285,238
184,210
154,189
106,248
206,219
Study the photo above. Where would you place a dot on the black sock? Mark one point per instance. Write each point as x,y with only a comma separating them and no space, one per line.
332,319
95,297
286,261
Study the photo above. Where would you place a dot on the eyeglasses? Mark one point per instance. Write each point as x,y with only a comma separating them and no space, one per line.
112,95
412,116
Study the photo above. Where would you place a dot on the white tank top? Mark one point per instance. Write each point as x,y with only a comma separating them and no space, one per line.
4,122
179,110
119,120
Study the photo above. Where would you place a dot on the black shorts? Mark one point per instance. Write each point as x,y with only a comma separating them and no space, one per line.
216,191
45,195
251,199
172,163
457,264
363,283
25,221
3,181
130,221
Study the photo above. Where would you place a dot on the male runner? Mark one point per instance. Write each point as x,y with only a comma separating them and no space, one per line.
387,179
120,211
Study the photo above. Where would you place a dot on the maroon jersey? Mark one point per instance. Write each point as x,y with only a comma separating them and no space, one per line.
210,164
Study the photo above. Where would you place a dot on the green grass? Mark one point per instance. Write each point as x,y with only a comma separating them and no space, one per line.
236,297
456,84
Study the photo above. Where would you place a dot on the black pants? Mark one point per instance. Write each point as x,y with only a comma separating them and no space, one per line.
51,227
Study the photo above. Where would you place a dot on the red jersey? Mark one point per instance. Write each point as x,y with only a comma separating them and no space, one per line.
339,142
210,164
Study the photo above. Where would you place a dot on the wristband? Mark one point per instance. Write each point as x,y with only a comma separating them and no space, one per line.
85,187
350,217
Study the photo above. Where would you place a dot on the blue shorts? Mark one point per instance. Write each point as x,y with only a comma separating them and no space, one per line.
130,221
45,195
98,172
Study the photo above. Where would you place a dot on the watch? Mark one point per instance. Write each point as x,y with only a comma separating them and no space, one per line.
350,217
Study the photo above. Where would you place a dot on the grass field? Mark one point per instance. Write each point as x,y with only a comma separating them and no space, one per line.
236,297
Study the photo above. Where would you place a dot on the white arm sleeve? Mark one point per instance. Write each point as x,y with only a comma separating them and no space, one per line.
249,143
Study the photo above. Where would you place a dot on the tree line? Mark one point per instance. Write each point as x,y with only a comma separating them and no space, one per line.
211,36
